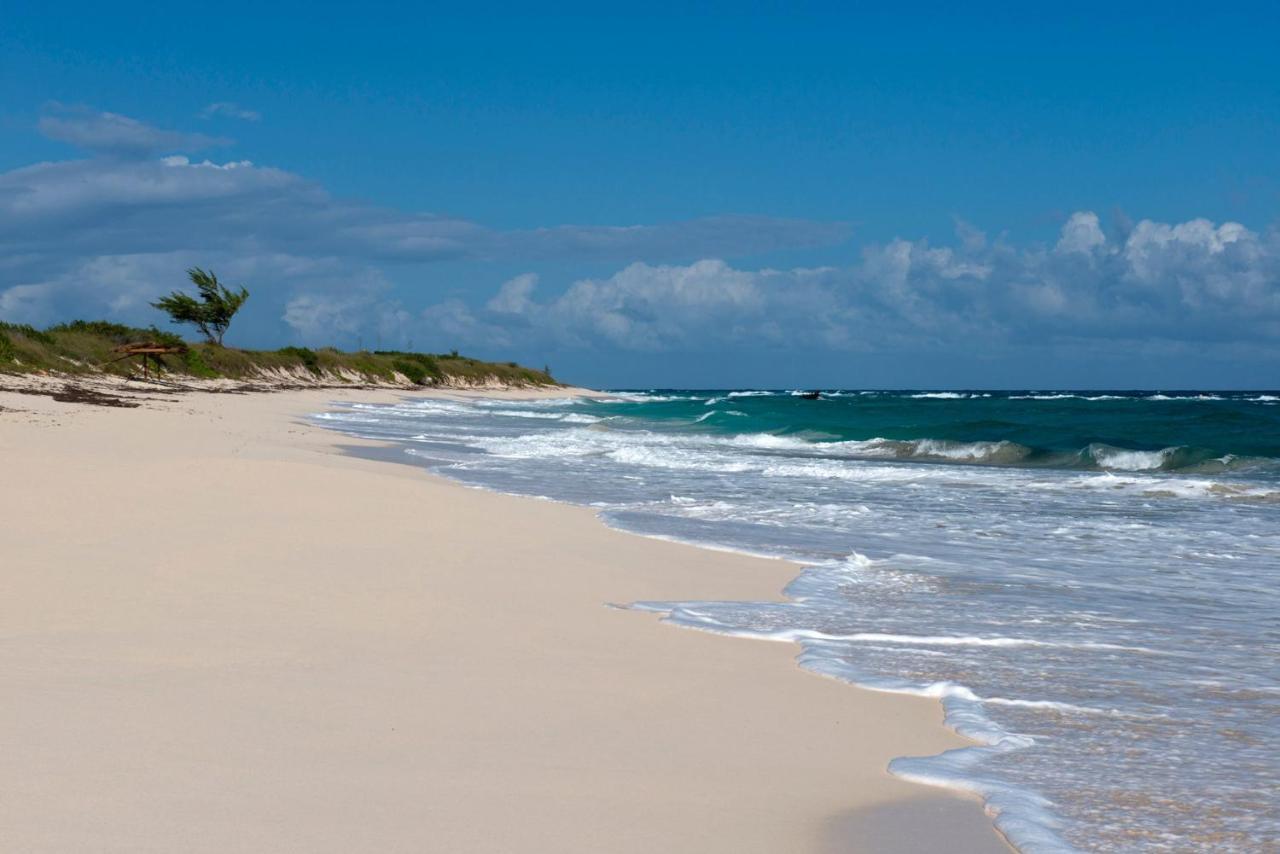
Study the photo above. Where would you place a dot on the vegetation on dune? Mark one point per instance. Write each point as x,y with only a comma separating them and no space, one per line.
83,347
309,358
93,346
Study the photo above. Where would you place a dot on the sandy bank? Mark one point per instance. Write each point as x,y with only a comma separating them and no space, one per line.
222,635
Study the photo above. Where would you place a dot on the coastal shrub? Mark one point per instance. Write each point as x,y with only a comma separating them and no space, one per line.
27,331
88,346
308,357
331,360
195,365
416,373
92,344
230,362
28,347
417,362
161,336
117,332
371,366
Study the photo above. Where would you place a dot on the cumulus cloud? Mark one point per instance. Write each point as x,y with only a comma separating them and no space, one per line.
317,317
111,133
336,302
648,307
1186,286
514,295
1082,233
231,110
102,235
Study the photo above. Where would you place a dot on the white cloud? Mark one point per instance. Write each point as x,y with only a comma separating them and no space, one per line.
322,318
228,109
1082,233
127,205
178,160
640,307
64,223
111,133
25,303
1181,286
121,284
452,322
101,236
514,295
648,307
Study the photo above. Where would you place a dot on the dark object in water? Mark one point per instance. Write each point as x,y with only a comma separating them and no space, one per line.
810,395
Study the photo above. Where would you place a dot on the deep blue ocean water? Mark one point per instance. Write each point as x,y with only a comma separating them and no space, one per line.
1090,581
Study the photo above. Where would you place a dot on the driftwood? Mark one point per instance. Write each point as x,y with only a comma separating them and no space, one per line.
146,350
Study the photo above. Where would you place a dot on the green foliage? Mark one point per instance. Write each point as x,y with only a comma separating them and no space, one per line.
418,367
416,373
212,312
364,362
160,336
115,331
105,332
308,357
90,346
27,331
229,362
25,346
193,361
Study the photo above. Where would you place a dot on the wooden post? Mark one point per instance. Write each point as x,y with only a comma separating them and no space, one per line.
146,351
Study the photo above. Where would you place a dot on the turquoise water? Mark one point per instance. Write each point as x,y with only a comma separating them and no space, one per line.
1089,581
1188,431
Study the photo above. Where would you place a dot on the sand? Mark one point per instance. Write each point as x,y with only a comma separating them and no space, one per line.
221,634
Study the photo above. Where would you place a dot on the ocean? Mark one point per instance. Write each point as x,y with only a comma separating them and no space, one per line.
1089,581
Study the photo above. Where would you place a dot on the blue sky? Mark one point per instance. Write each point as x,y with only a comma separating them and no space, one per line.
748,195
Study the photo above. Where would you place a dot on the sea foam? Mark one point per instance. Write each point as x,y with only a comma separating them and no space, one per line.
1083,579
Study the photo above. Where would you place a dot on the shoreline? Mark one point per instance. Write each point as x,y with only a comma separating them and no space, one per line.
590,726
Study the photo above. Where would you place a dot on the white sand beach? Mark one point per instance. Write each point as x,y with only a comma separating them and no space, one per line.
221,634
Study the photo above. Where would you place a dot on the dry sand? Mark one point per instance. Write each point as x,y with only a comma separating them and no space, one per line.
222,635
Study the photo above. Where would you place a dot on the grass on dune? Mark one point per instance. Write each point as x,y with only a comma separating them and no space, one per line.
83,347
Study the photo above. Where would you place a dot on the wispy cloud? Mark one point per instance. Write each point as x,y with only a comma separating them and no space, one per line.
230,110
111,133
131,205
61,222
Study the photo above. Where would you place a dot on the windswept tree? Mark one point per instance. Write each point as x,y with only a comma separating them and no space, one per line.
211,313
